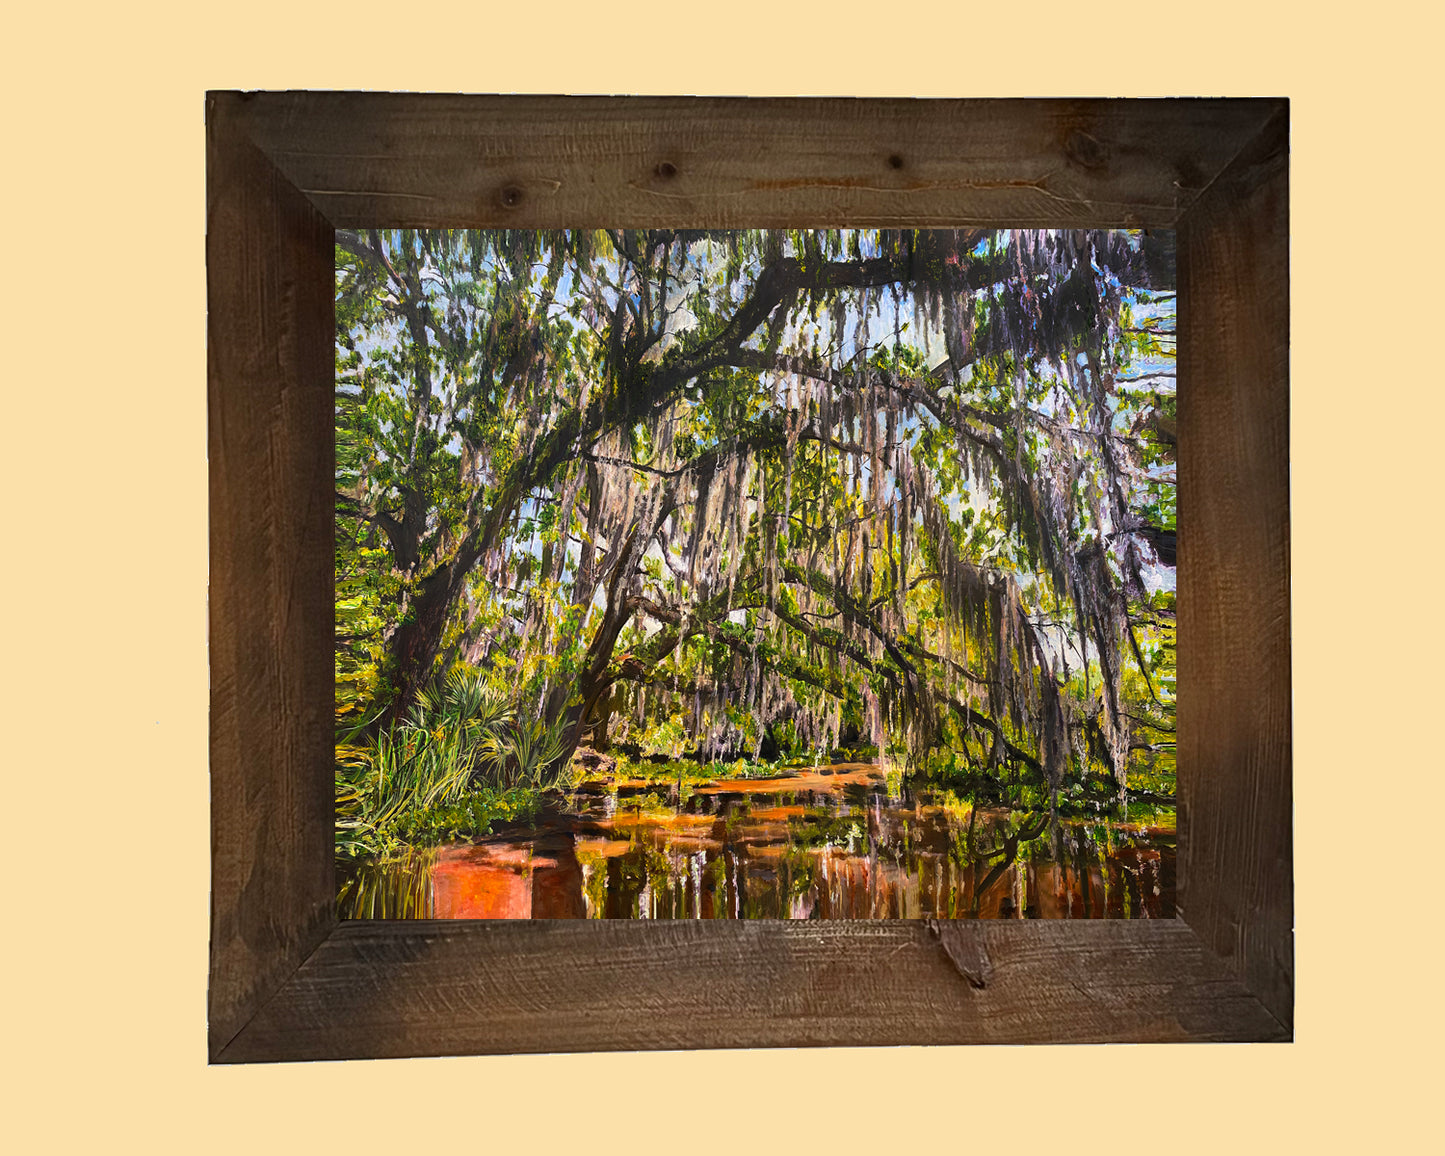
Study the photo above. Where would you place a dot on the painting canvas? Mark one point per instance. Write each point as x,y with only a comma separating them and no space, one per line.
770,574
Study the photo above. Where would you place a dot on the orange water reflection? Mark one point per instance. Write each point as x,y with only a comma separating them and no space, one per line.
824,844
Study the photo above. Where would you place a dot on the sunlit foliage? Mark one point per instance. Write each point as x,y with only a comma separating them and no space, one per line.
761,494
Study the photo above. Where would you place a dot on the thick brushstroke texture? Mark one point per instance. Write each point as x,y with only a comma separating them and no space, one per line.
714,477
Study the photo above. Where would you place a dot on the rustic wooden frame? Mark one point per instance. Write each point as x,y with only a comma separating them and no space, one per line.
288,982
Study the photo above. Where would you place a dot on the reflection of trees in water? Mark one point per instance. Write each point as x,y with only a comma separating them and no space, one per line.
882,859
888,864
1002,851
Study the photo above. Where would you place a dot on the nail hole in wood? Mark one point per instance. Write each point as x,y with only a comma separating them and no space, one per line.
1084,150
895,161
666,170
511,197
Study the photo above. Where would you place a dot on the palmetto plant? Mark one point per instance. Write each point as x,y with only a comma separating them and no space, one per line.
428,760
460,733
526,754
462,700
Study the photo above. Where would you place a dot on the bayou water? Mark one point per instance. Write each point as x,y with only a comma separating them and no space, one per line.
836,842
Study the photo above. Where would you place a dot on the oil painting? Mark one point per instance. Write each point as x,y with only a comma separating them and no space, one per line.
764,574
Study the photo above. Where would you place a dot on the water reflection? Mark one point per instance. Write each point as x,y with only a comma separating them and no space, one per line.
823,844
398,888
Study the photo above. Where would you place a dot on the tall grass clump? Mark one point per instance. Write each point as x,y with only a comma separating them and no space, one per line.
461,738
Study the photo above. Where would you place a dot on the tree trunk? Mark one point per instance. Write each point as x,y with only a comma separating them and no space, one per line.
417,643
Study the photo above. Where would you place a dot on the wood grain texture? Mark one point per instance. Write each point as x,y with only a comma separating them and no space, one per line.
392,989
376,159
270,362
287,982
1236,851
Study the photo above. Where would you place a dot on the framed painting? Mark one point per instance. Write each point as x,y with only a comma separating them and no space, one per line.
790,580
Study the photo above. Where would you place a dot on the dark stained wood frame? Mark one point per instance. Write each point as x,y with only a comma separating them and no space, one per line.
289,982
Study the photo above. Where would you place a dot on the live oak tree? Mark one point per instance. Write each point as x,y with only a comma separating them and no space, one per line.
913,486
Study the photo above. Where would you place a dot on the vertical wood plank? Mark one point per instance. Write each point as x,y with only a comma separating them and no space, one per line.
270,360
1235,866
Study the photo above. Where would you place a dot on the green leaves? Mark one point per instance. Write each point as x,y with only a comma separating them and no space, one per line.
554,448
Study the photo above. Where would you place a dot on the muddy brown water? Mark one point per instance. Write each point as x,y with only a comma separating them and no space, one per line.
821,843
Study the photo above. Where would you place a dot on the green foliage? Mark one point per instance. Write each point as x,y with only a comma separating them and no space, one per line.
689,770
470,817
621,486
667,736
430,773
527,754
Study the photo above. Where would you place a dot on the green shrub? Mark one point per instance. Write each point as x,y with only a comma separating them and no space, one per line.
399,785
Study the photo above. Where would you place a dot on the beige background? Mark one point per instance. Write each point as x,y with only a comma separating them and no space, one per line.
104,568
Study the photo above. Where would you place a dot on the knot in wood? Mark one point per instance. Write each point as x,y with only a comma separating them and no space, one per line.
1084,150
